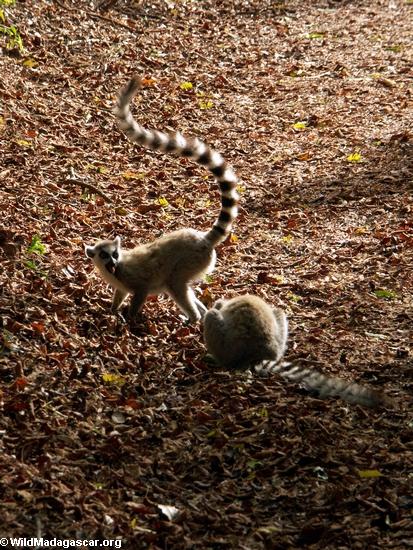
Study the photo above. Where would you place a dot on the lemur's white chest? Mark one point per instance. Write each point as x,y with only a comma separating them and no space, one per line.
112,280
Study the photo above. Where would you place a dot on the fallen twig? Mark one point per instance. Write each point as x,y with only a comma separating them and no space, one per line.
90,186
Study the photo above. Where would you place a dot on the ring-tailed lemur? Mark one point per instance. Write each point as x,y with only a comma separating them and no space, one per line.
171,262
246,333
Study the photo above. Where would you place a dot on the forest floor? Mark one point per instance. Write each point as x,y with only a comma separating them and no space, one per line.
119,434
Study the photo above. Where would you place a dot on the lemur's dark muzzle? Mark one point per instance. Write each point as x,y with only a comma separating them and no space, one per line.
111,266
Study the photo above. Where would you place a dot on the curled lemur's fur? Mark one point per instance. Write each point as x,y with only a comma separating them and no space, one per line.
171,262
246,333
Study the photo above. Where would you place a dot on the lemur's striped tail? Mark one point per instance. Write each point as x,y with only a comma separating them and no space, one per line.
325,386
193,149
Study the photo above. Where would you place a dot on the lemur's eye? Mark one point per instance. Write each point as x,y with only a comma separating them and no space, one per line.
115,254
104,255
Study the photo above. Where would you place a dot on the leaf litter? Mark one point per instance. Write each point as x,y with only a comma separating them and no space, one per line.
108,432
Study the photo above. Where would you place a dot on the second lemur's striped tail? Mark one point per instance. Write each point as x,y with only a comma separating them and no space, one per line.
325,386
193,149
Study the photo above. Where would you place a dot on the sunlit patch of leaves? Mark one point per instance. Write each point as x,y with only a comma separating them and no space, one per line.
100,169
355,157
203,105
204,102
24,143
113,379
369,474
361,230
293,297
33,266
36,246
395,48
315,35
133,175
121,211
300,125
288,239
295,73
386,294
14,40
87,197
30,63
253,464
186,86
163,202
166,216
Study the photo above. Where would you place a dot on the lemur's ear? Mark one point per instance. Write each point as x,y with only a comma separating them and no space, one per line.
90,251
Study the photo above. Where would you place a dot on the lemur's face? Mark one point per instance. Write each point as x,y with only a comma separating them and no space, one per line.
105,254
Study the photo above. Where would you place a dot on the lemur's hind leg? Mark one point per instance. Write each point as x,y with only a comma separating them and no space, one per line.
184,296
